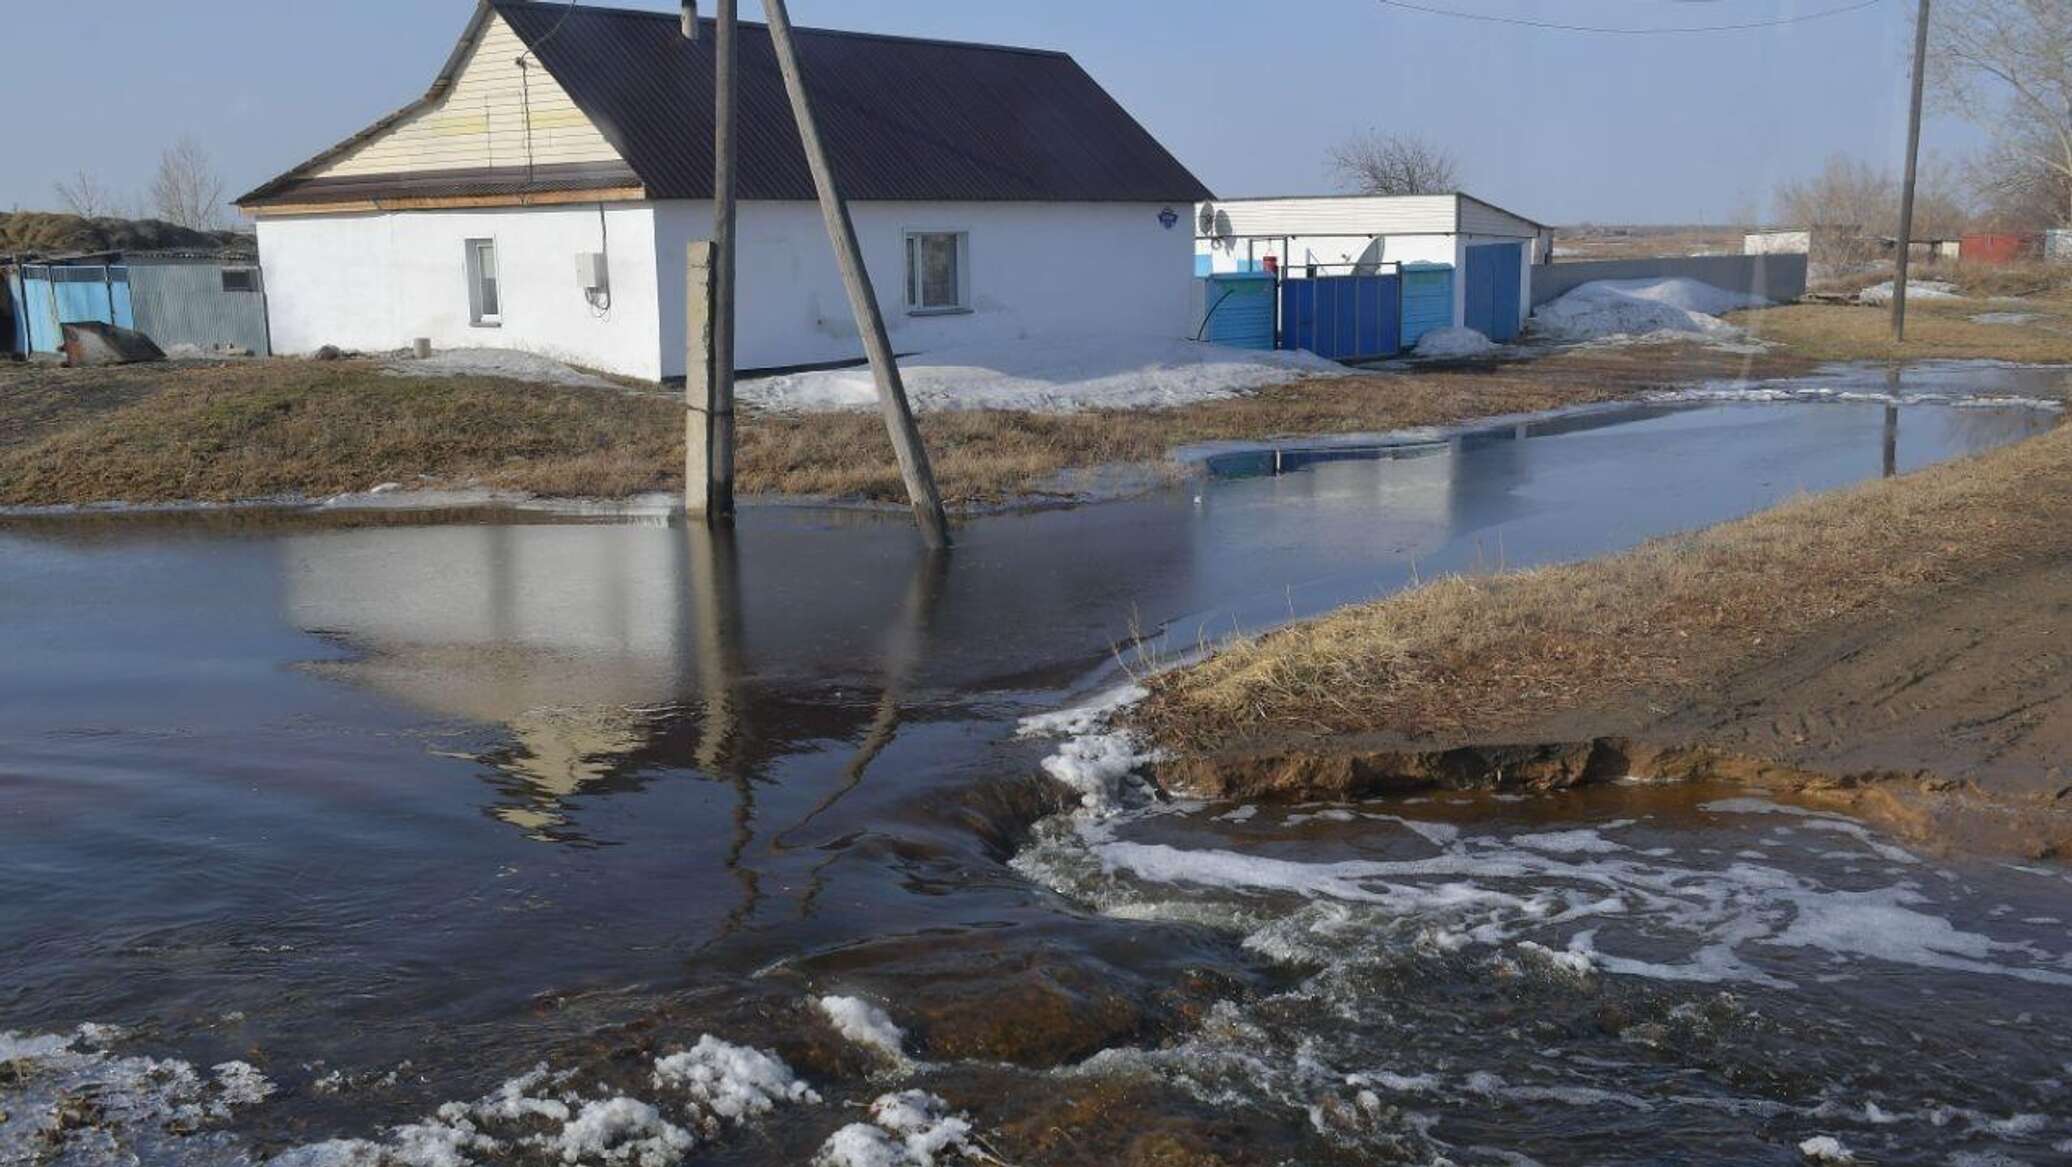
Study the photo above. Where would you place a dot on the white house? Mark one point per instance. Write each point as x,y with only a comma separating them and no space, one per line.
542,195
1337,235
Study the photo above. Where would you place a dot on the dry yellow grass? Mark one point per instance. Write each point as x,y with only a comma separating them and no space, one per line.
1476,655
1936,329
265,428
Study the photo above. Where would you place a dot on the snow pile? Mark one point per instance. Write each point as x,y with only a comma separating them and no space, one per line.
1061,375
509,364
865,1024
1916,290
914,1129
2006,318
624,1131
1608,308
1454,344
732,1081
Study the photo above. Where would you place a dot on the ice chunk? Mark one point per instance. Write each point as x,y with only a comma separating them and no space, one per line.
865,1024
1825,1149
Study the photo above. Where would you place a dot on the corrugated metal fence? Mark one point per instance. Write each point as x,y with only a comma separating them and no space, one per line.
206,305
202,304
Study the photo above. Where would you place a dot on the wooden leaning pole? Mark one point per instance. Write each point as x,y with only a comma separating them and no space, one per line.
712,286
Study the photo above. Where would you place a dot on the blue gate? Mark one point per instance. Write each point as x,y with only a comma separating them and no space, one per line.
46,298
1427,300
1495,272
1345,318
1237,310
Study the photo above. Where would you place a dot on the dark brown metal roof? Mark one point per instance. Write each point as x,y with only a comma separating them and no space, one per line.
904,119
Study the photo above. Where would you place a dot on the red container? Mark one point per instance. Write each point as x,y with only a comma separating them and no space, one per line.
2000,247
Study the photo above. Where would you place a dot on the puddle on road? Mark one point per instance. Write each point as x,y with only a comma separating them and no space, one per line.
414,808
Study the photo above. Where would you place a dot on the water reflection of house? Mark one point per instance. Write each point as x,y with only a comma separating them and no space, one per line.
613,652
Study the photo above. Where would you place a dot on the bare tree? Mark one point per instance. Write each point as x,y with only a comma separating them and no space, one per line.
1393,164
2007,65
187,191
1847,192
84,196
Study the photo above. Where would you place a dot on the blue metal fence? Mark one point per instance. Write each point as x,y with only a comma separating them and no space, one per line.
48,297
1345,318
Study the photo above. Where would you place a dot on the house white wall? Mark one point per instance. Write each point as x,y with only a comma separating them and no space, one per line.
376,281
1036,269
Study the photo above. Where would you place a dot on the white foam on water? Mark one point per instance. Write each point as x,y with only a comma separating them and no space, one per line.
1825,1149
1095,759
865,1024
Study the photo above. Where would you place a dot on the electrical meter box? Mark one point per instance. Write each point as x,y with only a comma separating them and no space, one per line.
592,272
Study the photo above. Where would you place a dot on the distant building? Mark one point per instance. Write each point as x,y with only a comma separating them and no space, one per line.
542,194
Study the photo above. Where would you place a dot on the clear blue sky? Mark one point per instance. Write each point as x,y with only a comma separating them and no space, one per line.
1249,93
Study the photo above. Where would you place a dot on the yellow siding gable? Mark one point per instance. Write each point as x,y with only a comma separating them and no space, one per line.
495,115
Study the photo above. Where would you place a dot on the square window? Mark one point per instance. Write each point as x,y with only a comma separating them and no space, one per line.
240,279
936,272
485,299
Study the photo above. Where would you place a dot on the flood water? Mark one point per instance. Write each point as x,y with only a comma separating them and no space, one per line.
394,809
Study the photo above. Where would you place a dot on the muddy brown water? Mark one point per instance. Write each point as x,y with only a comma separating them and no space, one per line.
395,811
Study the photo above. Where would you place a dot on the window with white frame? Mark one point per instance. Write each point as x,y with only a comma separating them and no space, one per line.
938,278
485,295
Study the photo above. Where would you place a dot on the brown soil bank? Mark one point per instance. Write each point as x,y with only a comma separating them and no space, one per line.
1903,649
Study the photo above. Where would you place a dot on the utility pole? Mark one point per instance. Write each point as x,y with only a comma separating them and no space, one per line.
863,300
1906,197
709,359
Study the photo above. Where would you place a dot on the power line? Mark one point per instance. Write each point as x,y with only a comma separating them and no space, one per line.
1525,22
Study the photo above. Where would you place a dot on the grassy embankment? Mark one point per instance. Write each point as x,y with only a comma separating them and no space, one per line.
1936,328
1475,658
266,428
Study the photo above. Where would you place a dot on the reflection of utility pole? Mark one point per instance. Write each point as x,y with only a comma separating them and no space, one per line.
863,300
1892,441
716,626
904,649
1906,195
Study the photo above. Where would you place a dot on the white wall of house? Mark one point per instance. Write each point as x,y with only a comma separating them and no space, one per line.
377,281
1034,270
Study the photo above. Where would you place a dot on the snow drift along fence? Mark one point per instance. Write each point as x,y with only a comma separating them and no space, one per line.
1773,277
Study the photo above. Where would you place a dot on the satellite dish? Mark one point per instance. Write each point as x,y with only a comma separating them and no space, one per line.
1205,226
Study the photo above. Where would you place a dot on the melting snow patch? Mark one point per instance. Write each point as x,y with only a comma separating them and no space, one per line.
1635,308
1058,375
865,1024
1454,344
1916,290
509,364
